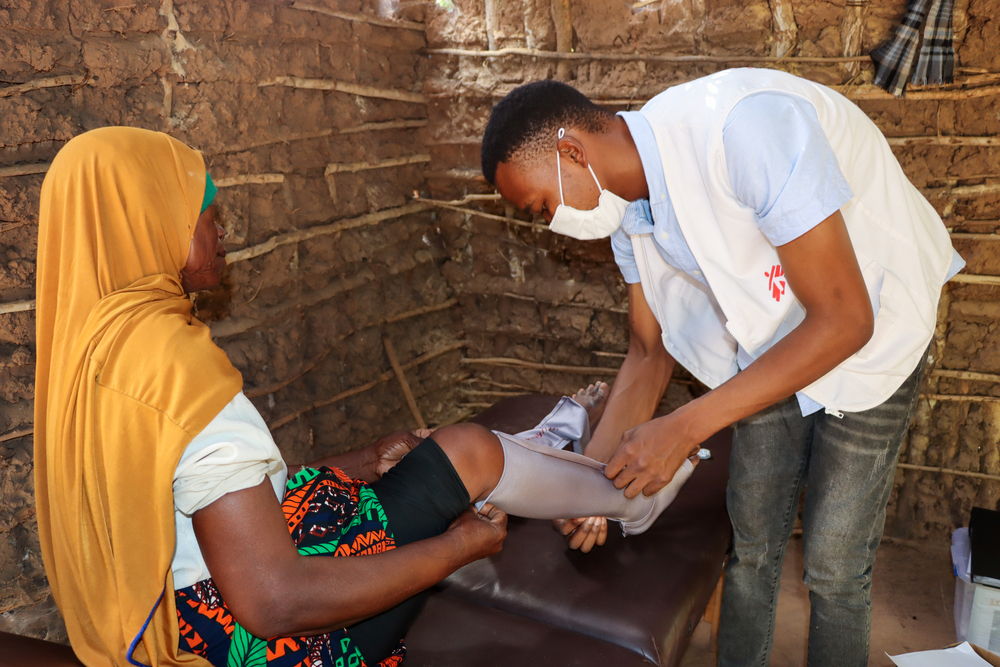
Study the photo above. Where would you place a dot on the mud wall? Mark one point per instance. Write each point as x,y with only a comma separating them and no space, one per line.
545,313
310,117
320,119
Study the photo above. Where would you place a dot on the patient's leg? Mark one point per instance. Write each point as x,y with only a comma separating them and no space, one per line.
525,478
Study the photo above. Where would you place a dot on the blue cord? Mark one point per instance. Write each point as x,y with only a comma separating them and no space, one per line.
142,631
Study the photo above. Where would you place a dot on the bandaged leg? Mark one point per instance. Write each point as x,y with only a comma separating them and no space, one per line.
568,422
539,482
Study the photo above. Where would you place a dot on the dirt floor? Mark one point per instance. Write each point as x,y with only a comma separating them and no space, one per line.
912,599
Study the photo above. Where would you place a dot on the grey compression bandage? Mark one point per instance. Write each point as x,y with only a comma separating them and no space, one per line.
541,482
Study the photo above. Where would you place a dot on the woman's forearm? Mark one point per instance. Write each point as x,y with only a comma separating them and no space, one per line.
273,591
325,594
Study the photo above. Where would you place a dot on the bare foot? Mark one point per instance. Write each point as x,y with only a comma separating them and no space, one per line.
593,398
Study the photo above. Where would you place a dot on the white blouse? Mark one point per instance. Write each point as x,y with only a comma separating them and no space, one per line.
234,452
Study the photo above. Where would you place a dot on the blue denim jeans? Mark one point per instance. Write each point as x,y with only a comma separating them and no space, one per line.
846,467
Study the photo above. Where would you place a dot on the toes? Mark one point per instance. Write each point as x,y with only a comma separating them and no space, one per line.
592,394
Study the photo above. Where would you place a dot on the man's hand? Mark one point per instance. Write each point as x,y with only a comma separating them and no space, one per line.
649,455
583,533
390,449
478,534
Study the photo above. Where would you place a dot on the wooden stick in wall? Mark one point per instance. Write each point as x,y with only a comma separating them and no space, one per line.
25,169
289,308
976,279
974,376
479,196
345,87
639,57
944,140
490,392
249,179
490,16
354,391
343,224
524,389
563,19
17,306
404,385
949,471
480,214
974,236
913,140
562,304
312,364
960,90
785,33
359,18
852,33
971,398
521,363
47,82
476,405
328,132
353,167
14,435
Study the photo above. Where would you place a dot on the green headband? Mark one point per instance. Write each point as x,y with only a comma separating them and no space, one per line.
210,191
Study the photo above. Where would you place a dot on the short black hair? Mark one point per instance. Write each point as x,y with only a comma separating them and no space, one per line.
529,117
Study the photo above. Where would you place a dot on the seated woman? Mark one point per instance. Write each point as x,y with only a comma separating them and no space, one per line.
169,524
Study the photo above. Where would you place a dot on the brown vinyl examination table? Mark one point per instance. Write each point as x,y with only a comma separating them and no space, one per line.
634,601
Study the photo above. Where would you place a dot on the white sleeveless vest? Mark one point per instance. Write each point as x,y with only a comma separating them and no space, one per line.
902,247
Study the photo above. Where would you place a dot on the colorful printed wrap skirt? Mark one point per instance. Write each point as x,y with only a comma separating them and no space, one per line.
328,514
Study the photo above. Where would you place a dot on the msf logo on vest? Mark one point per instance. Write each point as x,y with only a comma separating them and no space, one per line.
775,282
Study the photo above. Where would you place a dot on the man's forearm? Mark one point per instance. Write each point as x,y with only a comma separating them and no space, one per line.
809,352
637,390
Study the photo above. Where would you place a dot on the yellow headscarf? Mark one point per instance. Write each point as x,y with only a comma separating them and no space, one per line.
125,378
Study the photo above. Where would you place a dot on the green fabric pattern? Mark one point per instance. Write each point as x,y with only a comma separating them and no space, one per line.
245,650
352,655
327,514
303,476
369,506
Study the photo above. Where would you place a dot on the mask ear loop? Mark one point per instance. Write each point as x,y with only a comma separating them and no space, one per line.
594,176
559,135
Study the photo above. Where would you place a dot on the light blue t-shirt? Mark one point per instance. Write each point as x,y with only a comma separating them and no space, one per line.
780,164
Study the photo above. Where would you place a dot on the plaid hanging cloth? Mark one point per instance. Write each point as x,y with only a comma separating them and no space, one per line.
899,59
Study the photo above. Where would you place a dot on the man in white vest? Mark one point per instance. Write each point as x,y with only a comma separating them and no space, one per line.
773,246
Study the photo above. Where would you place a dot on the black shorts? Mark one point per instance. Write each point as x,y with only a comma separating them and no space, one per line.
421,496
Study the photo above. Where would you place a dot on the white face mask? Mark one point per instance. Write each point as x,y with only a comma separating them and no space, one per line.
595,223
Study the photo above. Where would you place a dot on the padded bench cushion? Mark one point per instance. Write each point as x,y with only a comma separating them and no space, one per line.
18,651
645,593
454,633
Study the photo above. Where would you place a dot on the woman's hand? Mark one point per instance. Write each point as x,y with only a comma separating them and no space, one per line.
479,534
583,533
390,449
